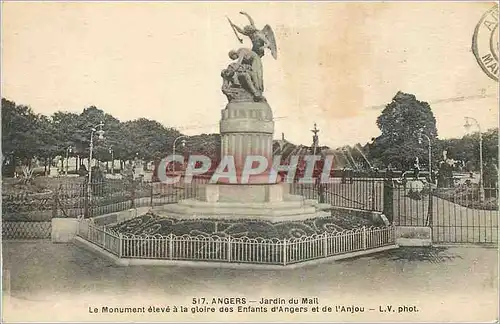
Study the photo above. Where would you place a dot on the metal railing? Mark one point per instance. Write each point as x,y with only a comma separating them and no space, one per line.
72,200
355,193
236,250
26,230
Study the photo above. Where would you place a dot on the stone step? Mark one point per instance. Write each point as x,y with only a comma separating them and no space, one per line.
249,206
213,210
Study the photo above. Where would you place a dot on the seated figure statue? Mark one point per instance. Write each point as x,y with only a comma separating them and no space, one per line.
242,80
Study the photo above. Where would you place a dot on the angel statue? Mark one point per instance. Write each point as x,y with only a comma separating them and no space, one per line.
261,39
242,79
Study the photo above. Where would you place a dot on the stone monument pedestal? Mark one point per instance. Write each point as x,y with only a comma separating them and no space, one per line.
251,193
246,202
246,129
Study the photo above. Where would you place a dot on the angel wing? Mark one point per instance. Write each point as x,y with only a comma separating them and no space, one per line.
268,32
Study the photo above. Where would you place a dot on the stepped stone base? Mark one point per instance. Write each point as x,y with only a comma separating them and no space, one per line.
246,129
256,193
258,202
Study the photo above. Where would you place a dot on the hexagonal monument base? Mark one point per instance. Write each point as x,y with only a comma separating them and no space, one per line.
260,202
248,193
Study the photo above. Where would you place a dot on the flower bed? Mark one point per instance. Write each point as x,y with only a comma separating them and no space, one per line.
152,224
349,220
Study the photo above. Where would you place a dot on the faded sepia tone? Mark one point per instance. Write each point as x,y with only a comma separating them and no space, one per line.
338,65
337,60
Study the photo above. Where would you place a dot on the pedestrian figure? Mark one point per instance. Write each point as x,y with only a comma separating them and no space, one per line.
82,171
416,169
343,180
389,172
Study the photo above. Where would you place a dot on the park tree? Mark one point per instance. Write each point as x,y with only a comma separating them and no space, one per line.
148,139
68,133
66,129
490,157
47,144
167,148
401,123
113,144
205,144
90,118
466,149
19,136
490,146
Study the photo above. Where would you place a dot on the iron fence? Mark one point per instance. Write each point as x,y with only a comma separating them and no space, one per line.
236,250
26,230
411,204
36,207
72,200
456,215
464,215
184,188
356,193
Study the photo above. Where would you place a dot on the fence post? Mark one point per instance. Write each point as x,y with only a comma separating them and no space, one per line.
86,200
55,206
120,249
321,192
388,202
325,245
373,193
364,237
284,251
430,207
87,227
170,246
151,195
79,228
229,249
104,234
133,194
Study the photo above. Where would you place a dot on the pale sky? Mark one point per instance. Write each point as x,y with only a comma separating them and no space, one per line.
163,60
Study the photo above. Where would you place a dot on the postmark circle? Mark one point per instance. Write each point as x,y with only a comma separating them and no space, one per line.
485,43
494,42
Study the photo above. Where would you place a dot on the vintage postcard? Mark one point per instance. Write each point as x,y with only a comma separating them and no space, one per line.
249,161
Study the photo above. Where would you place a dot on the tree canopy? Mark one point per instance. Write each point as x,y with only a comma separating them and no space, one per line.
26,135
403,124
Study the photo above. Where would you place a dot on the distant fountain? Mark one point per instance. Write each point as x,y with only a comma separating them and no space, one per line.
364,157
347,159
355,165
292,153
339,163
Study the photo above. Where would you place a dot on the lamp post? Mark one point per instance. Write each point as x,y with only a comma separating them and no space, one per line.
68,150
481,183
112,159
429,147
173,149
100,133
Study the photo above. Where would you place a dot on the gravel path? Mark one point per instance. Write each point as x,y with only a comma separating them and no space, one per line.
55,282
